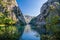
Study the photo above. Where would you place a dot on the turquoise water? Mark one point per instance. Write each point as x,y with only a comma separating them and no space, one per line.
29,34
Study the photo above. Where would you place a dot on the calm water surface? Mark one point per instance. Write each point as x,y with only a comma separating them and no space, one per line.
30,34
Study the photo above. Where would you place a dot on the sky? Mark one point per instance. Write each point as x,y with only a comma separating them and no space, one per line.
30,7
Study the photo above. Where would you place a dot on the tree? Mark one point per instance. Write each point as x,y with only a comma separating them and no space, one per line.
7,29
53,23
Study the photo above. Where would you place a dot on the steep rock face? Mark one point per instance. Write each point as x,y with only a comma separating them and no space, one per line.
40,19
14,11
28,18
50,8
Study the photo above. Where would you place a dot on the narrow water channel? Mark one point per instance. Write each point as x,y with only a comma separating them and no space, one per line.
30,34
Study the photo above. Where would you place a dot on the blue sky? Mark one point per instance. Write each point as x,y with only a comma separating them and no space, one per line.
30,7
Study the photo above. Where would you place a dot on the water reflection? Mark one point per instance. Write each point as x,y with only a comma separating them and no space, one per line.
29,34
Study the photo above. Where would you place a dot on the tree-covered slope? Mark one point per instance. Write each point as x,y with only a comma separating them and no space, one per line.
10,18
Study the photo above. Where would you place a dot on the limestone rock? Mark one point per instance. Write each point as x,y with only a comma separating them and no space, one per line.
41,18
14,11
50,8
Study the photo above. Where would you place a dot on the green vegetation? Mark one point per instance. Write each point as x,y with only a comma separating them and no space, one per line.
8,30
52,24
8,33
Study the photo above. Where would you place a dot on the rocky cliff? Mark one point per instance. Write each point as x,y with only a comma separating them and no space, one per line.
13,10
49,15
46,9
28,18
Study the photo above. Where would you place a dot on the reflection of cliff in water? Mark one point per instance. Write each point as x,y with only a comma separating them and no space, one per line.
30,34
27,28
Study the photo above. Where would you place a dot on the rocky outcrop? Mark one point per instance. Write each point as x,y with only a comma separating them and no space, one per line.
13,10
28,18
45,12
19,16
49,9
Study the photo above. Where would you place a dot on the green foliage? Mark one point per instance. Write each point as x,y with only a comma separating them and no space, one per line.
9,33
52,7
52,22
7,29
53,25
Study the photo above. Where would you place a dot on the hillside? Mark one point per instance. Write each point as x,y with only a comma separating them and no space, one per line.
11,18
